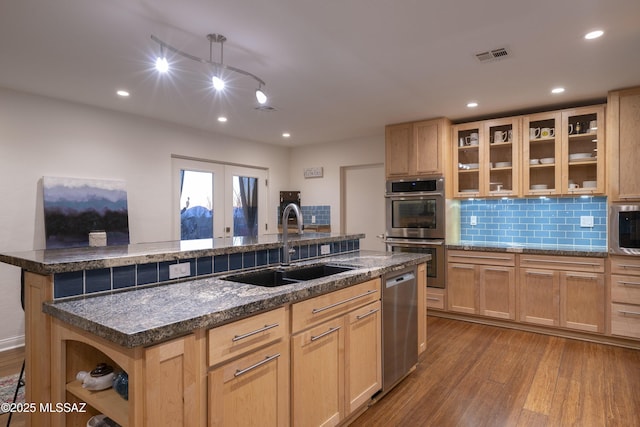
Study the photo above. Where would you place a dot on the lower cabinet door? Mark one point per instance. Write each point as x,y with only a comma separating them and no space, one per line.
539,297
582,299
498,292
252,390
364,355
462,288
318,375
171,386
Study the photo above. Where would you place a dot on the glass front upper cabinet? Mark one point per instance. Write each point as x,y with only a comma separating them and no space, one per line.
542,154
468,160
584,150
502,144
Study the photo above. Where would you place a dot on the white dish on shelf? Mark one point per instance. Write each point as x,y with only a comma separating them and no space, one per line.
503,164
469,190
539,187
589,184
534,161
548,160
469,166
579,156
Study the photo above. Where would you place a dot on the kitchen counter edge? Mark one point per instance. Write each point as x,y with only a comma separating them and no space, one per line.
595,252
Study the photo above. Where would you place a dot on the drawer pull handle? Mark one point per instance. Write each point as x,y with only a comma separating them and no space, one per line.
362,316
581,276
252,367
500,270
623,283
483,257
324,334
257,331
632,313
630,266
550,261
320,310
539,273
433,299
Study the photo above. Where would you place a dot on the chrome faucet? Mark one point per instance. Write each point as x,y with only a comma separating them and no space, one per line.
286,250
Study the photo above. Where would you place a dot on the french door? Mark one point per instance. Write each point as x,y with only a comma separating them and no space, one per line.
218,200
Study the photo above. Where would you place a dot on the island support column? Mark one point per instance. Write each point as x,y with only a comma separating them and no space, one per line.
38,289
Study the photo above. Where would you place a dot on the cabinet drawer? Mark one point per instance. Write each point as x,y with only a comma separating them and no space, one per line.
625,265
563,263
481,258
625,320
312,311
435,299
247,334
625,289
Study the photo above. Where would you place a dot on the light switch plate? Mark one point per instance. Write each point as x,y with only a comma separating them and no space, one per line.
474,220
179,270
586,221
325,250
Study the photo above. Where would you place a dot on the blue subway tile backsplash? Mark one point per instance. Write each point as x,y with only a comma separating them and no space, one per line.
553,221
106,279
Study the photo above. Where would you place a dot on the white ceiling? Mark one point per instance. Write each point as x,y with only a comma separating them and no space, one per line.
334,70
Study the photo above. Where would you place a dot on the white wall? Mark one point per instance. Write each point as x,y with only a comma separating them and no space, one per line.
333,156
47,137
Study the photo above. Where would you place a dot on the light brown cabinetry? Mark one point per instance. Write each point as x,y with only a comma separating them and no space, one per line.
418,148
623,128
562,291
249,379
625,296
164,382
332,335
486,158
482,283
563,152
436,299
422,308
542,154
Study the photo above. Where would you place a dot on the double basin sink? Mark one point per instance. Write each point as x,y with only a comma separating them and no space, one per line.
272,277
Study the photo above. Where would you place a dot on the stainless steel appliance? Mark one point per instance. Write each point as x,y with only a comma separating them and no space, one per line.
399,326
433,247
624,229
415,208
415,222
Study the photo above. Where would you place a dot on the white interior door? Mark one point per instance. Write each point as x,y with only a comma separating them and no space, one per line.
363,203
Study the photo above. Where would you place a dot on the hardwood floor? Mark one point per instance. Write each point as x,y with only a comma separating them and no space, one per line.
477,375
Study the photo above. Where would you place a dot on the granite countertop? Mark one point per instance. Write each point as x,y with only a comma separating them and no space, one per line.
49,261
142,317
533,249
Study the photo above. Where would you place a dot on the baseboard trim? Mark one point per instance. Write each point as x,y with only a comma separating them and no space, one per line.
11,343
563,333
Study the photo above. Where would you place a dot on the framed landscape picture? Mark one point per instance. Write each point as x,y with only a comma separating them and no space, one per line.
75,207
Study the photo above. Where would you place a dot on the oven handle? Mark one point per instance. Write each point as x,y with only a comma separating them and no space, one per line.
414,244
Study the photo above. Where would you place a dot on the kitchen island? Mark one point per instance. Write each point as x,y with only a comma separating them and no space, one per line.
153,331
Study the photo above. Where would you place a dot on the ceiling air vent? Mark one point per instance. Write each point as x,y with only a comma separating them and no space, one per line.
492,55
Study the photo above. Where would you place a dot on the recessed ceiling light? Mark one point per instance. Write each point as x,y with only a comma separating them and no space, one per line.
472,104
594,34
557,90
123,93
222,119
286,135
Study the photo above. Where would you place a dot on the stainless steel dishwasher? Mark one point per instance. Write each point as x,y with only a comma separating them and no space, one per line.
399,326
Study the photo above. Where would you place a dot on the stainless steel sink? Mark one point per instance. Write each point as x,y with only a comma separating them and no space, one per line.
272,277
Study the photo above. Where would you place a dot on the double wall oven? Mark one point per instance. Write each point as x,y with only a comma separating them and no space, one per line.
415,222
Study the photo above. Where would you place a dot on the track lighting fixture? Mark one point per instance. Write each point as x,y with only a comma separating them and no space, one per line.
163,66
